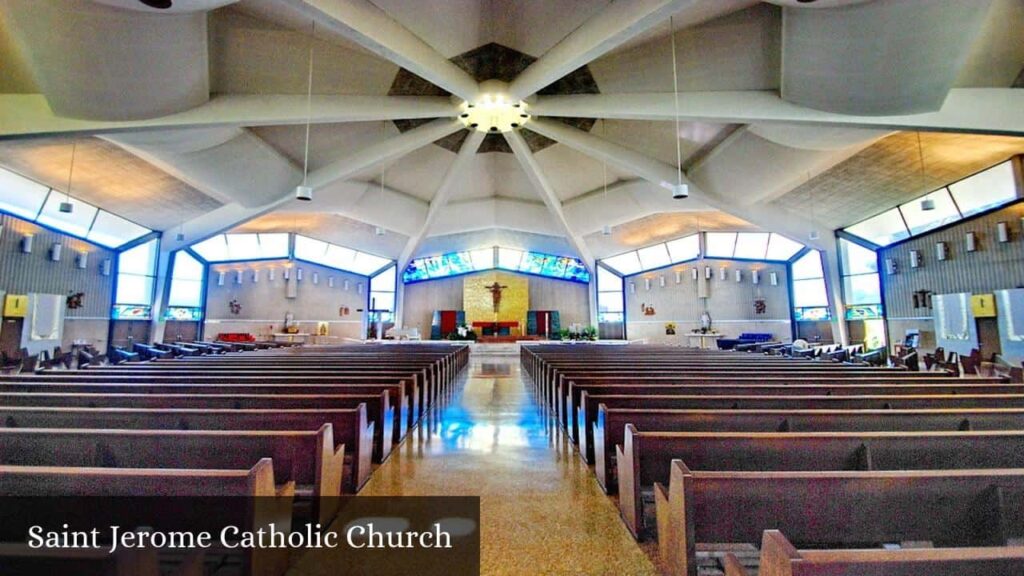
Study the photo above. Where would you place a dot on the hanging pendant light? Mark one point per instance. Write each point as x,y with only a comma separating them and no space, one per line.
303,191
379,230
927,204
66,207
606,230
679,190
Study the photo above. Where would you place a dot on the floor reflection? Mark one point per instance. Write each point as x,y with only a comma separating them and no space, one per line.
541,509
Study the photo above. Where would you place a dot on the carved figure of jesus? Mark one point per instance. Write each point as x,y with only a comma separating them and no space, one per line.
495,290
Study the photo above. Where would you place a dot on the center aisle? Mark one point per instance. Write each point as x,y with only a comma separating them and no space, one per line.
541,509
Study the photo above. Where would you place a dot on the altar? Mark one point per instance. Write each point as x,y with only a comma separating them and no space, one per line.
499,328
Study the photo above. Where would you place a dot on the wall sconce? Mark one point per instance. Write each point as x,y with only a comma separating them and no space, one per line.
661,281
55,250
773,278
632,287
287,273
971,241
298,274
890,266
721,273
316,277
82,260
679,276
1,230
344,285
26,244
647,284
359,288
238,277
1003,232
941,252
330,281
271,274
255,276
220,278
106,266
739,275
755,276
707,272
694,273
915,259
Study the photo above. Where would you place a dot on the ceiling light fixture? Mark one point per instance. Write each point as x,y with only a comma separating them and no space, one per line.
495,111
606,230
66,206
304,192
927,204
680,190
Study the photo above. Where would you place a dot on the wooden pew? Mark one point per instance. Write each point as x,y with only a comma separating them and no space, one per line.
780,558
610,428
645,457
22,559
396,391
307,459
587,412
389,428
836,509
256,483
351,427
835,387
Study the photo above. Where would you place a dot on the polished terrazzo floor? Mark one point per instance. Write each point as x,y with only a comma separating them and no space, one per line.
542,512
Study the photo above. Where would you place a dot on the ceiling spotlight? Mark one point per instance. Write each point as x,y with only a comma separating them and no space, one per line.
179,237
304,193
606,230
927,204
379,231
813,235
680,191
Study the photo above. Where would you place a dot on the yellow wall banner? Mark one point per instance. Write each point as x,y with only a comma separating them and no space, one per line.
496,297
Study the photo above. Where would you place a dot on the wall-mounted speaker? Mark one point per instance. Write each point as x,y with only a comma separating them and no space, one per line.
82,260
220,278
773,278
755,276
105,266
739,275
55,251
26,244
941,251
915,259
890,266
1003,232
971,241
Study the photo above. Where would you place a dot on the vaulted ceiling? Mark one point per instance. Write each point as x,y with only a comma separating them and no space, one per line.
791,116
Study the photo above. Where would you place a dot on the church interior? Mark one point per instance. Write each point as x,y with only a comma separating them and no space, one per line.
644,287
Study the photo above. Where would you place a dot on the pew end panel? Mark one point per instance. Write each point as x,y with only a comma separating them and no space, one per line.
630,497
330,475
270,505
602,456
676,549
362,456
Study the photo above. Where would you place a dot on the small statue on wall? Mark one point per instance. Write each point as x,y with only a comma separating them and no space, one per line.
235,307
290,327
75,300
344,311
760,306
647,310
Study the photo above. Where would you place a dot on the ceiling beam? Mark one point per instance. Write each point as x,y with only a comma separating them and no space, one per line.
24,115
367,25
382,152
665,175
547,193
975,110
620,21
444,192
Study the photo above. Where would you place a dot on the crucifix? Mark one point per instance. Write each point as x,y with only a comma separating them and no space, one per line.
495,290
